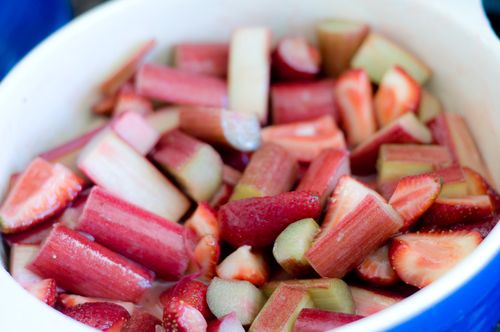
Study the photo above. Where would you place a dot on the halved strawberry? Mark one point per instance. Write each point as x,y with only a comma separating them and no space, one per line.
179,316
353,94
104,316
376,268
72,300
448,211
45,291
41,191
191,291
398,93
203,221
421,258
413,196
244,264
141,321
369,301
205,257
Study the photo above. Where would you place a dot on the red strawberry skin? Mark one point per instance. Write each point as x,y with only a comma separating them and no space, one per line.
87,268
181,317
141,321
258,221
315,320
45,291
449,211
103,316
376,268
192,292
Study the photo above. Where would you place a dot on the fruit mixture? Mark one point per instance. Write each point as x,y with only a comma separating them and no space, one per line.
295,187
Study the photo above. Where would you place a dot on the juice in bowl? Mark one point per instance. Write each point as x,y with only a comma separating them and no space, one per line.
313,157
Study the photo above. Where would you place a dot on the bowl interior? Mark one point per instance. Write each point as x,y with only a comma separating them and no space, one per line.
47,97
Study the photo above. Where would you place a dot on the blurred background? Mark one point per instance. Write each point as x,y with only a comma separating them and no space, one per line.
24,23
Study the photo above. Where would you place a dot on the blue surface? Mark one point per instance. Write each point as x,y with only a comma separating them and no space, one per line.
24,23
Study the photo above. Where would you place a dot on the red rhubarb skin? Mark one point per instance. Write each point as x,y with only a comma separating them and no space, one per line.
87,268
258,221
345,245
175,149
209,59
315,320
288,67
175,86
144,237
293,102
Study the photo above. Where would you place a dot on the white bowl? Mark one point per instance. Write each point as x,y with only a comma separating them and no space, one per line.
47,96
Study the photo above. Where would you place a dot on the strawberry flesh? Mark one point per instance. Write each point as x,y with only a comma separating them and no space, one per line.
192,292
376,268
244,264
449,211
179,316
227,323
45,291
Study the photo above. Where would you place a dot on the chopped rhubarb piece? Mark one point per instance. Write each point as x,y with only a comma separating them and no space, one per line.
127,69
164,119
294,102
192,292
398,160
244,264
195,165
128,100
72,300
324,173
406,129
353,94
358,221
205,257
85,267
314,320
141,321
450,129
421,258
179,316
20,256
249,71
413,196
429,107
227,323
476,184
291,246
222,196
378,54
271,171
376,268
67,153
230,175
258,221
235,158
118,168
105,105
142,236
397,94
454,182
327,293
203,221
281,310
305,140
368,301
178,87
107,317
241,297
236,130
45,291
42,190
133,129
448,211
295,58
209,59
338,42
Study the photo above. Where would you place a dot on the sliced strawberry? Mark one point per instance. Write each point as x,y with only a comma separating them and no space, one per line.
295,58
45,291
34,235
104,316
258,221
205,257
369,301
179,316
398,93
413,196
191,291
421,258
244,264
227,323
72,300
353,94
448,211
483,226
314,320
203,221
41,191
376,268
141,321
305,140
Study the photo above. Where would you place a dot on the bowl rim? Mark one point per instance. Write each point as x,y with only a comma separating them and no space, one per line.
389,318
